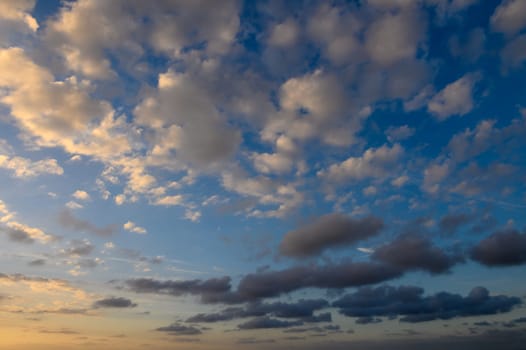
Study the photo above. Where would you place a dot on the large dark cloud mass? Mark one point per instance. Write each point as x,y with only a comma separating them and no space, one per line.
329,231
414,252
502,248
266,284
409,303
346,274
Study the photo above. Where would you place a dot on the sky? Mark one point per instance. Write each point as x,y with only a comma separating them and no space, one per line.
262,174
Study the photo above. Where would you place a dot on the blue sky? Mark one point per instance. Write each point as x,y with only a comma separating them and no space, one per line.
263,174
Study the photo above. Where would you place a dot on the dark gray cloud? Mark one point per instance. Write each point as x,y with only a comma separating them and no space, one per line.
302,309
133,254
88,263
211,290
255,341
266,322
18,235
114,302
450,223
37,262
59,331
64,311
178,329
414,252
267,284
368,320
323,317
502,248
69,221
330,328
409,303
328,231
78,248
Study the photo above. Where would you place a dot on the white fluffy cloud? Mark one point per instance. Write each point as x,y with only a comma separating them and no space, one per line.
25,168
455,99
20,232
337,32
395,134
394,37
169,28
132,227
81,195
509,17
18,11
58,113
374,163
186,122
434,174
284,34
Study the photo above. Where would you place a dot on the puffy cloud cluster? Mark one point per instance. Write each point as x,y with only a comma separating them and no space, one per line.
409,303
19,232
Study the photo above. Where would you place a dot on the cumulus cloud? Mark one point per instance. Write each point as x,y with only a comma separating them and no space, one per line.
328,231
284,34
81,195
25,168
19,12
114,302
412,252
168,28
54,113
513,55
455,99
394,37
395,134
434,175
509,17
409,303
502,248
374,163
69,221
19,232
187,122
132,227
78,248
